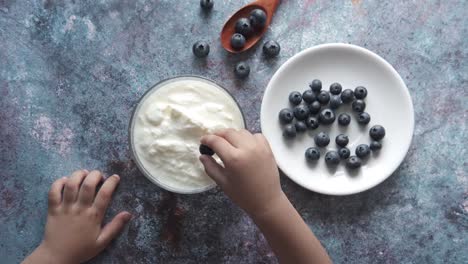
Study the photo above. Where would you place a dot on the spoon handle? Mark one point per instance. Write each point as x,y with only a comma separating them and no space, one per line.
269,5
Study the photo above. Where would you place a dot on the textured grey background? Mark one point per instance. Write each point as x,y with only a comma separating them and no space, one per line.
71,72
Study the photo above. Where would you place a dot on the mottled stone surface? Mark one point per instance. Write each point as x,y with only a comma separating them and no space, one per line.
71,72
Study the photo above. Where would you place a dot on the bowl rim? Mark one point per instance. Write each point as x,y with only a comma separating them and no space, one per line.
407,100
137,106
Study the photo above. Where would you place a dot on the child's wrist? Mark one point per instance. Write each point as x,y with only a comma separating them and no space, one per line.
49,256
274,207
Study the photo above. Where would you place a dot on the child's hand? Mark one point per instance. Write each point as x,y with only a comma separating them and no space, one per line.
73,232
249,176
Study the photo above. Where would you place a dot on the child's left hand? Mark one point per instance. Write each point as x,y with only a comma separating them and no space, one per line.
74,232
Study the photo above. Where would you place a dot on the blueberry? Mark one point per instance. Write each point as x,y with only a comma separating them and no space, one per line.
344,119
342,140
286,116
323,97
295,98
309,96
335,88
335,101
206,4
312,122
301,112
312,154
360,92
347,96
271,48
321,139
237,41
300,126
332,158
201,49
362,151
363,118
314,107
344,153
242,70
377,132
353,163
205,150
316,86
375,146
289,131
258,18
326,116
359,106
243,27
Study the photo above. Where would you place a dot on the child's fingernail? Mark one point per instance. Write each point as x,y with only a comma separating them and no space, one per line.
116,176
128,217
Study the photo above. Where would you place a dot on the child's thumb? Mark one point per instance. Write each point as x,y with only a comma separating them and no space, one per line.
112,229
213,169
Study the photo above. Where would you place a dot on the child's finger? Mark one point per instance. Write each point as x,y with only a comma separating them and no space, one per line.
213,169
88,188
112,229
72,186
55,192
219,145
232,136
104,195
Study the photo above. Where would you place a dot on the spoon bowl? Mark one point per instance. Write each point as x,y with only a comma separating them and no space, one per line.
269,6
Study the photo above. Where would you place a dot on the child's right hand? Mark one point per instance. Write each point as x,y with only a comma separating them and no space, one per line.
249,176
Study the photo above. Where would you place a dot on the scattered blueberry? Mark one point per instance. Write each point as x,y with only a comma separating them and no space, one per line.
243,27
362,151
323,97
301,112
359,106
360,92
314,107
206,4
258,18
342,140
335,101
353,163
289,131
295,98
237,41
205,150
286,116
327,116
347,96
312,122
201,49
332,158
377,132
344,153
344,119
316,86
271,48
309,96
363,118
242,70
321,139
375,146
300,126
312,154
335,88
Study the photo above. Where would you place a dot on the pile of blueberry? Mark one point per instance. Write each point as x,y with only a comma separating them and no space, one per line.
244,28
315,107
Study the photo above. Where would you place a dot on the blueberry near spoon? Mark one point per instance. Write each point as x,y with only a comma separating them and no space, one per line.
268,6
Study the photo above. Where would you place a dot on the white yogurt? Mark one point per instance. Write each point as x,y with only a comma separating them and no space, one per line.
168,125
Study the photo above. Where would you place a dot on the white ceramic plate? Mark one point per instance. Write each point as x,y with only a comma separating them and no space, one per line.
388,103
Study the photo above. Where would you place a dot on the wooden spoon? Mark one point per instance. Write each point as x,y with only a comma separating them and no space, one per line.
269,6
